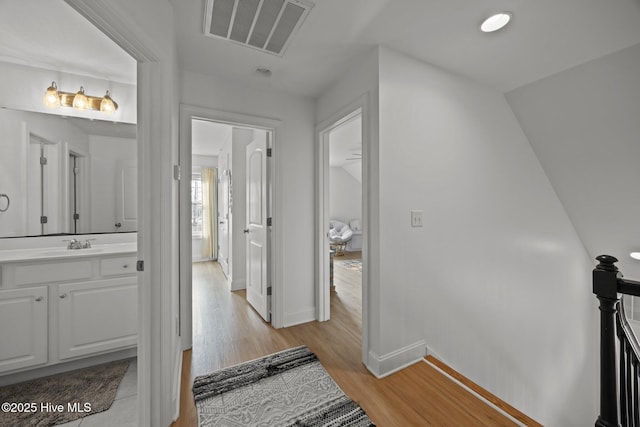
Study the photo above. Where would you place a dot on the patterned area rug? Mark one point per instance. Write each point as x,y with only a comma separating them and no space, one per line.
350,264
289,388
62,398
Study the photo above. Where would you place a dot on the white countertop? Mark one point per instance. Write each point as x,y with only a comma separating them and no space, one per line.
36,254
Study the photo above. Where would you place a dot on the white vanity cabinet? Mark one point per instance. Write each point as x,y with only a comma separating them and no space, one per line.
66,308
96,316
23,328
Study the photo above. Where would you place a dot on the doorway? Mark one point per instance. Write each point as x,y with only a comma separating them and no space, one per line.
341,208
345,210
351,120
239,147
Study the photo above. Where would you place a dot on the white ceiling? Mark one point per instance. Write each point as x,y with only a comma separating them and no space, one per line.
208,138
545,37
50,34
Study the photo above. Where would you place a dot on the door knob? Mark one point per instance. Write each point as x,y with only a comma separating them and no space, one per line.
118,225
246,231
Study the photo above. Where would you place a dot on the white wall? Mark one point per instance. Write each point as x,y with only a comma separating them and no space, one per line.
497,281
198,162
345,195
108,157
583,125
361,81
294,176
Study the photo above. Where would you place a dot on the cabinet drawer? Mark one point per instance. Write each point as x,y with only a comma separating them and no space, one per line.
118,266
28,274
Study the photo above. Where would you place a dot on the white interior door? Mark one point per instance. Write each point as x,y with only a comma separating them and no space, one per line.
256,226
127,199
223,220
44,181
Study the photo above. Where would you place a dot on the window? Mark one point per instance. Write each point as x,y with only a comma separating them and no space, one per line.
196,205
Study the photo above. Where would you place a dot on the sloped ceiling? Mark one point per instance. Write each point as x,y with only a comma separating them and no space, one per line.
584,126
49,34
345,147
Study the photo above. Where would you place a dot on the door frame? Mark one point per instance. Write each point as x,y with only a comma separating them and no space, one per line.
158,398
187,114
360,106
82,188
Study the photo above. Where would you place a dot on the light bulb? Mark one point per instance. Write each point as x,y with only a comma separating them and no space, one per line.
51,97
495,22
107,105
80,101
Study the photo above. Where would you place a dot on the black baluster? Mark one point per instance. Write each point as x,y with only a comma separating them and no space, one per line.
605,286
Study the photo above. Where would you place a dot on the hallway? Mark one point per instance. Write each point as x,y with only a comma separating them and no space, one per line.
227,331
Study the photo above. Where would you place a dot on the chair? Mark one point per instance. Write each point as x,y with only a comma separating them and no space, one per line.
339,235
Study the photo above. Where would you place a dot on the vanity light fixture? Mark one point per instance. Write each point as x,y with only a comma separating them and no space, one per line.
496,22
79,100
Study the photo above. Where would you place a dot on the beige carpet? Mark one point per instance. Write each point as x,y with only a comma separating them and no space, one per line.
61,398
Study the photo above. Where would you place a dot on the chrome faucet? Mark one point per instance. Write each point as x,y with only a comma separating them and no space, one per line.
76,244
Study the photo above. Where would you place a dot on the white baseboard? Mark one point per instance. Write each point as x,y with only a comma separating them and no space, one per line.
430,352
381,366
303,316
237,284
177,383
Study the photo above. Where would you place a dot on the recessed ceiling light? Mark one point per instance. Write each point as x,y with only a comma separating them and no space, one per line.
635,255
495,22
263,71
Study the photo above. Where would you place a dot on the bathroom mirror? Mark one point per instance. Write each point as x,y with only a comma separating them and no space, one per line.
66,175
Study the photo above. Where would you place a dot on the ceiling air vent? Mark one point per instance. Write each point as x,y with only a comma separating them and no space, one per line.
266,25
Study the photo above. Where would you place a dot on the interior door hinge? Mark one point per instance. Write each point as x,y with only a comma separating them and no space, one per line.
43,220
140,265
269,152
176,172
269,222
43,160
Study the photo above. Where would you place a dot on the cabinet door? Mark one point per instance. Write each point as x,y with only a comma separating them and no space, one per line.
23,328
97,316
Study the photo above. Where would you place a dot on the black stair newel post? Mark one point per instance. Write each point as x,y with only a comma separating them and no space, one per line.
605,286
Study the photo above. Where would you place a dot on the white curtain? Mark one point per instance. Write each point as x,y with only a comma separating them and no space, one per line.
209,213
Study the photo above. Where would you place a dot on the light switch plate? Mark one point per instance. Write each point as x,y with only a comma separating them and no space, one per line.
416,218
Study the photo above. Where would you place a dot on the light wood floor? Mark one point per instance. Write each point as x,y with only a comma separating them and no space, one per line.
227,331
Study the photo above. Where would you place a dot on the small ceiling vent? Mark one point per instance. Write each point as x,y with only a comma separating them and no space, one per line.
266,25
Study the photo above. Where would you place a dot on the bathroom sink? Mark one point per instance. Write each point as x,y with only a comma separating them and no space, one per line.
67,252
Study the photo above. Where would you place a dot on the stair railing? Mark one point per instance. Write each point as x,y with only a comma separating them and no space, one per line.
619,379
